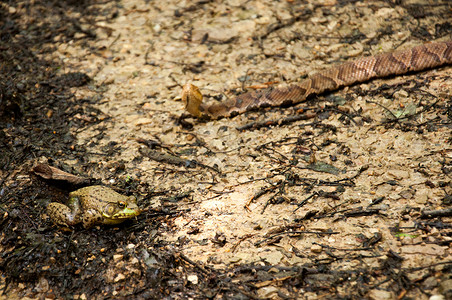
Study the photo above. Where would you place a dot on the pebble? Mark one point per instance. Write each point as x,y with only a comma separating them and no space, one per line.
421,197
117,257
316,248
267,292
119,277
380,295
401,95
193,278
445,288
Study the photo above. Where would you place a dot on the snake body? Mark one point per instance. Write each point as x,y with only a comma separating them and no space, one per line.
421,57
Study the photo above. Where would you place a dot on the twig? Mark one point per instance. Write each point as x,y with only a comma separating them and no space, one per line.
295,233
259,194
196,265
268,123
247,236
436,213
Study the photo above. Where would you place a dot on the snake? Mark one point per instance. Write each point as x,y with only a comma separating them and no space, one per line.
418,58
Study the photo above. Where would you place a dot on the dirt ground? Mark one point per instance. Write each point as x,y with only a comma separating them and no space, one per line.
353,202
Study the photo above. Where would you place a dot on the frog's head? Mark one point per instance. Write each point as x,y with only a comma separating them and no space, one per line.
117,211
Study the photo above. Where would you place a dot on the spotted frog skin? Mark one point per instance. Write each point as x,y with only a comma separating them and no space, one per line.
93,205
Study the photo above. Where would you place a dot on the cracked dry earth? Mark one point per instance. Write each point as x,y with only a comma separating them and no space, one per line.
383,172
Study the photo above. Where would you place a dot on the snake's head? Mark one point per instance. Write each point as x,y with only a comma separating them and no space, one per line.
192,98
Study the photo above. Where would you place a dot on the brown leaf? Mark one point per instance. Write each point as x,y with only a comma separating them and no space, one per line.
47,172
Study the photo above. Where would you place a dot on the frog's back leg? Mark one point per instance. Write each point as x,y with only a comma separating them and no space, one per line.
62,215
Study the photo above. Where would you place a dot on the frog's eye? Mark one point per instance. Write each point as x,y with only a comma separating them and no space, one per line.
121,204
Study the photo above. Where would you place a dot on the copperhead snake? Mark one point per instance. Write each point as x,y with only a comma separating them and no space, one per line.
421,57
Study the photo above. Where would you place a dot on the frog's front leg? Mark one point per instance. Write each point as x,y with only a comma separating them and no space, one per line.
91,217
64,215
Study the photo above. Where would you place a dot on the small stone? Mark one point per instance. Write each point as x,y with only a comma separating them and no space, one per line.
356,52
430,283
398,174
143,121
243,179
157,28
316,248
421,197
401,95
273,257
134,261
147,106
267,292
91,258
380,294
117,257
217,34
193,278
434,231
43,285
119,277
445,288
407,194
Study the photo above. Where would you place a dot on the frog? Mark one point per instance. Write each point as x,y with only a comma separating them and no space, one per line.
93,205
